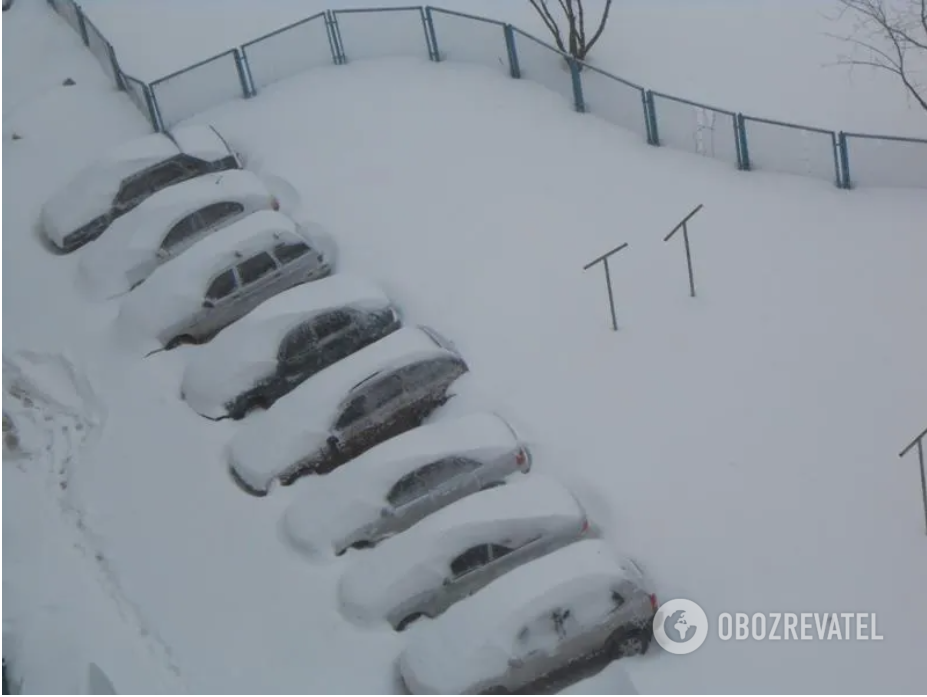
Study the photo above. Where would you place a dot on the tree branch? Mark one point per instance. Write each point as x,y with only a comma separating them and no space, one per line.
598,33
541,8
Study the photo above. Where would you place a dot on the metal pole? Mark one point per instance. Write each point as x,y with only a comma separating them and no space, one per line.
611,301
685,237
920,459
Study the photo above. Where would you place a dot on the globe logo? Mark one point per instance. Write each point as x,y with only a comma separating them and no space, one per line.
680,626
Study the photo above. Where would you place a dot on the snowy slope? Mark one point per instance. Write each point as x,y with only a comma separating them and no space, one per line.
742,445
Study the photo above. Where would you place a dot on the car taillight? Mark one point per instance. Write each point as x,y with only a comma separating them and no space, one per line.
523,460
274,203
583,530
653,602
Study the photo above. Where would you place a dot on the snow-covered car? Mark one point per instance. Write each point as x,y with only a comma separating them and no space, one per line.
379,392
533,624
168,223
455,552
223,278
125,176
284,341
395,484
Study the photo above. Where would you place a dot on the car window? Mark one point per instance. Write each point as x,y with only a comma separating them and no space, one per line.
254,268
355,409
331,323
186,228
297,341
384,391
156,178
215,213
435,474
288,251
473,558
429,372
407,489
499,551
222,285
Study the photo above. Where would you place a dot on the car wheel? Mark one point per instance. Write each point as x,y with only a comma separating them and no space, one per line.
406,621
626,643
491,485
178,340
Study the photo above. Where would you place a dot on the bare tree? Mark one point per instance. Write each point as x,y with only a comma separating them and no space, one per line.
890,35
572,23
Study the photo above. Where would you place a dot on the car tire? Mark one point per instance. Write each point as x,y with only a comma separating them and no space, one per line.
406,621
178,341
627,643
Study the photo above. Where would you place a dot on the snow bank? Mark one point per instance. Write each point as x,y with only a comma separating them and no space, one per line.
176,290
327,510
418,560
128,251
472,641
245,352
298,424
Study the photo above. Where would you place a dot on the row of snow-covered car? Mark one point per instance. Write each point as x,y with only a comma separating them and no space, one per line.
508,567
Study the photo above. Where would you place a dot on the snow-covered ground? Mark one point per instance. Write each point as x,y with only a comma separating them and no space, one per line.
742,445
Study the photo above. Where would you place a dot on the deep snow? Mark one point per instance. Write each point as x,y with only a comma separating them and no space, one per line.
742,445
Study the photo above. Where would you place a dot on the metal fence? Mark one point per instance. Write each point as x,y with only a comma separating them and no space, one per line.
436,34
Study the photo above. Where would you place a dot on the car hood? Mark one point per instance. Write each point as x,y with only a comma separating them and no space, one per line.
321,517
266,447
85,198
148,314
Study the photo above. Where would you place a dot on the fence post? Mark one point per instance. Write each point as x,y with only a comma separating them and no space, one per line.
153,111
514,68
82,23
650,114
335,37
578,101
843,180
244,74
117,71
430,28
740,131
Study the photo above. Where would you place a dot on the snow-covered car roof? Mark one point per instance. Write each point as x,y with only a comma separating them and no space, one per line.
328,508
176,290
136,237
299,423
90,192
245,352
418,559
472,640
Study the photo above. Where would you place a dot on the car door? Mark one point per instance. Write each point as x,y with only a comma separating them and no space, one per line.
449,480
297,260
298,356
258,275
378,403
197,225
335,333
536,648
422,491
463,576
138,187
221,294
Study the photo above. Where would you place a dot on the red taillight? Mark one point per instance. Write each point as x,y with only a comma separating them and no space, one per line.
520,458
274,203
653,602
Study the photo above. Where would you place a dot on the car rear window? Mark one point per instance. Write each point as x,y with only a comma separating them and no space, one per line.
288,251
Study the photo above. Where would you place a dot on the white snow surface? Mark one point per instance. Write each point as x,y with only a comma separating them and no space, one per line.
743,444
109,264
176,289
418,560
325,510
245,352
473,639
298,424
